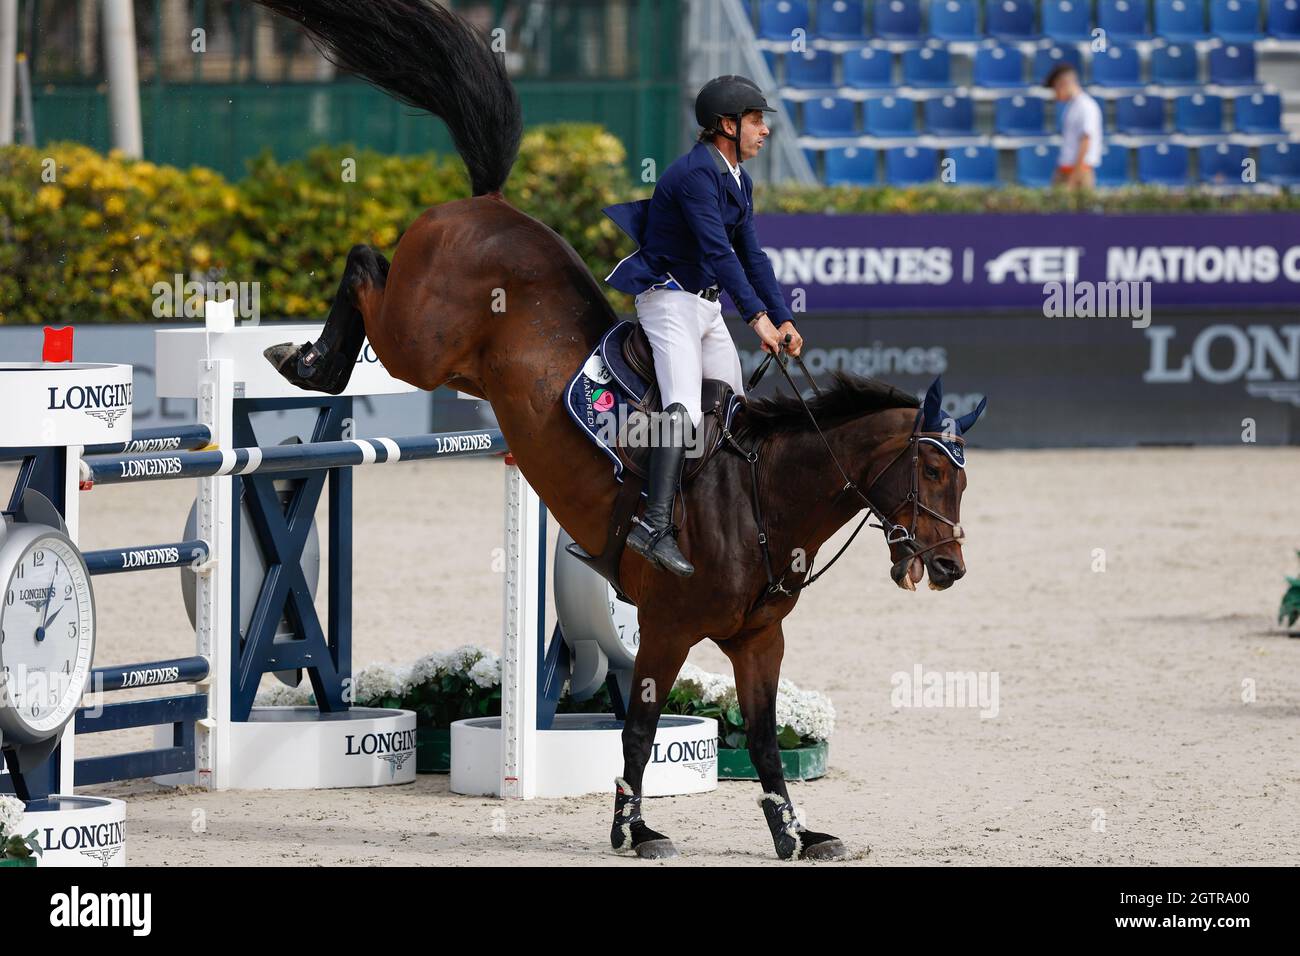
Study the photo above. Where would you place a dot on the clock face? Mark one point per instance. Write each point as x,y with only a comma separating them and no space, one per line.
47,622
623,616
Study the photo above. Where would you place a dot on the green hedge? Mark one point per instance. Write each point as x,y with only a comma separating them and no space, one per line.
84,237
939,198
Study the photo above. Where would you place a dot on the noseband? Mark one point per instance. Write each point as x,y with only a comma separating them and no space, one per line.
895,533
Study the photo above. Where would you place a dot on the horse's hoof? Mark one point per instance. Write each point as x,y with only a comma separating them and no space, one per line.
285,359
826,849
662,849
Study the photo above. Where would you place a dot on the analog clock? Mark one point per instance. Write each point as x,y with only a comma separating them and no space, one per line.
47,631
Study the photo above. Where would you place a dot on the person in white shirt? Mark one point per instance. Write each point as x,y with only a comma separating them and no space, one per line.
1081,127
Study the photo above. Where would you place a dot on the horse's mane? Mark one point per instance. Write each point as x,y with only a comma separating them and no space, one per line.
848,396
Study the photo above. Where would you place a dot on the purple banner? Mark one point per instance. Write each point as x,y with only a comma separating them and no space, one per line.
1000,261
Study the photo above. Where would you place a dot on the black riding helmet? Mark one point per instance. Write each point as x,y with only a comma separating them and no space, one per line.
732,96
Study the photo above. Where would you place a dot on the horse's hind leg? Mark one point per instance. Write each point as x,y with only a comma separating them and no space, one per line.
326,365
756,660
657,662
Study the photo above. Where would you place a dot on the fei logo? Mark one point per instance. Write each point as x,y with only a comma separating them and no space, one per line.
1035,265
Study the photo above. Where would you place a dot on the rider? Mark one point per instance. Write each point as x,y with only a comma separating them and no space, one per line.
697,239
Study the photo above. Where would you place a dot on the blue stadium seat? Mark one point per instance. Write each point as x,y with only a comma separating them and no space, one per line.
812,156
1067,21
955,20
1181,19
898,19
1113,170
777,19
1164,164
841,19
927,66
1236,21
1019,116
910,165
1233,64
1045,58
1035,165
1258,113
795,109
1284,20
950,116
830,116
774,61
1174,64
891,116
1009,20
1140,115
851,166
974,165
868,68
1118,66
1125,21
810,70
1221,163
999,66
1198,114
1279,163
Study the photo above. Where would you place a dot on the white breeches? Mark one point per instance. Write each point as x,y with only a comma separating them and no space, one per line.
690,343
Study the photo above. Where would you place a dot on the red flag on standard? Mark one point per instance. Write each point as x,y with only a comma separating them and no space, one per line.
58,345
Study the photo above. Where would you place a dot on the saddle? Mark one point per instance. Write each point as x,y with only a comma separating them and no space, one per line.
717,401
715,397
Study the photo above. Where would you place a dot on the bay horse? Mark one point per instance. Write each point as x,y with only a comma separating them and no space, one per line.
434,318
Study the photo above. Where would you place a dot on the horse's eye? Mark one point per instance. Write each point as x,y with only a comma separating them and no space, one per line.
932,472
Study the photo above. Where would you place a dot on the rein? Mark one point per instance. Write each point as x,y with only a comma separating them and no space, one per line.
895,533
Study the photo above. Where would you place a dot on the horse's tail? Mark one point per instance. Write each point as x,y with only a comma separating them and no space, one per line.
430,58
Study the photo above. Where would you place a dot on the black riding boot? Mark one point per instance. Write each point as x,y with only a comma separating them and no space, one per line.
653,536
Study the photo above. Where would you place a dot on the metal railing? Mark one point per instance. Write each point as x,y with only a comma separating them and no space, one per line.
720,40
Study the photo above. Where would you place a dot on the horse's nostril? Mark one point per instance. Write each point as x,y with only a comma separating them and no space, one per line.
949,568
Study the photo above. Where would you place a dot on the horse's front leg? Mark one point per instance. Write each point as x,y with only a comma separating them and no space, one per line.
756,660
658,660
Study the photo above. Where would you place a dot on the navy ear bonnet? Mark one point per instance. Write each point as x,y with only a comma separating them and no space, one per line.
944,429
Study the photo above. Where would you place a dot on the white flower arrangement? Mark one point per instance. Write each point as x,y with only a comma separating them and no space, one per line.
380,680
810,714
11,814
13,844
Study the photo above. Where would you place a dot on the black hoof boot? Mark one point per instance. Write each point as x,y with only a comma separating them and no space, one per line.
308,369
630,832
792,841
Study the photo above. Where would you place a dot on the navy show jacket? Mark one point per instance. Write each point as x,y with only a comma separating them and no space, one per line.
698,227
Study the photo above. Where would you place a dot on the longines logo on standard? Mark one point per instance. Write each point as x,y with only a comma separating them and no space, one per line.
100,841
398,741
698,755
1265,357
105,402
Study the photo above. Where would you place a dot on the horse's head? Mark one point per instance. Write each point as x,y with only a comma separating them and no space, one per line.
918,493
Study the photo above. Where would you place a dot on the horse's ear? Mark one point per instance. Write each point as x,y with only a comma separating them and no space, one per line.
966,421
932,407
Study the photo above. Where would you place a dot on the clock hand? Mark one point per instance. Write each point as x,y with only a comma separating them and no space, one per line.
45,611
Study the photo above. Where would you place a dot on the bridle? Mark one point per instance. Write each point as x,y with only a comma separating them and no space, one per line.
895,533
